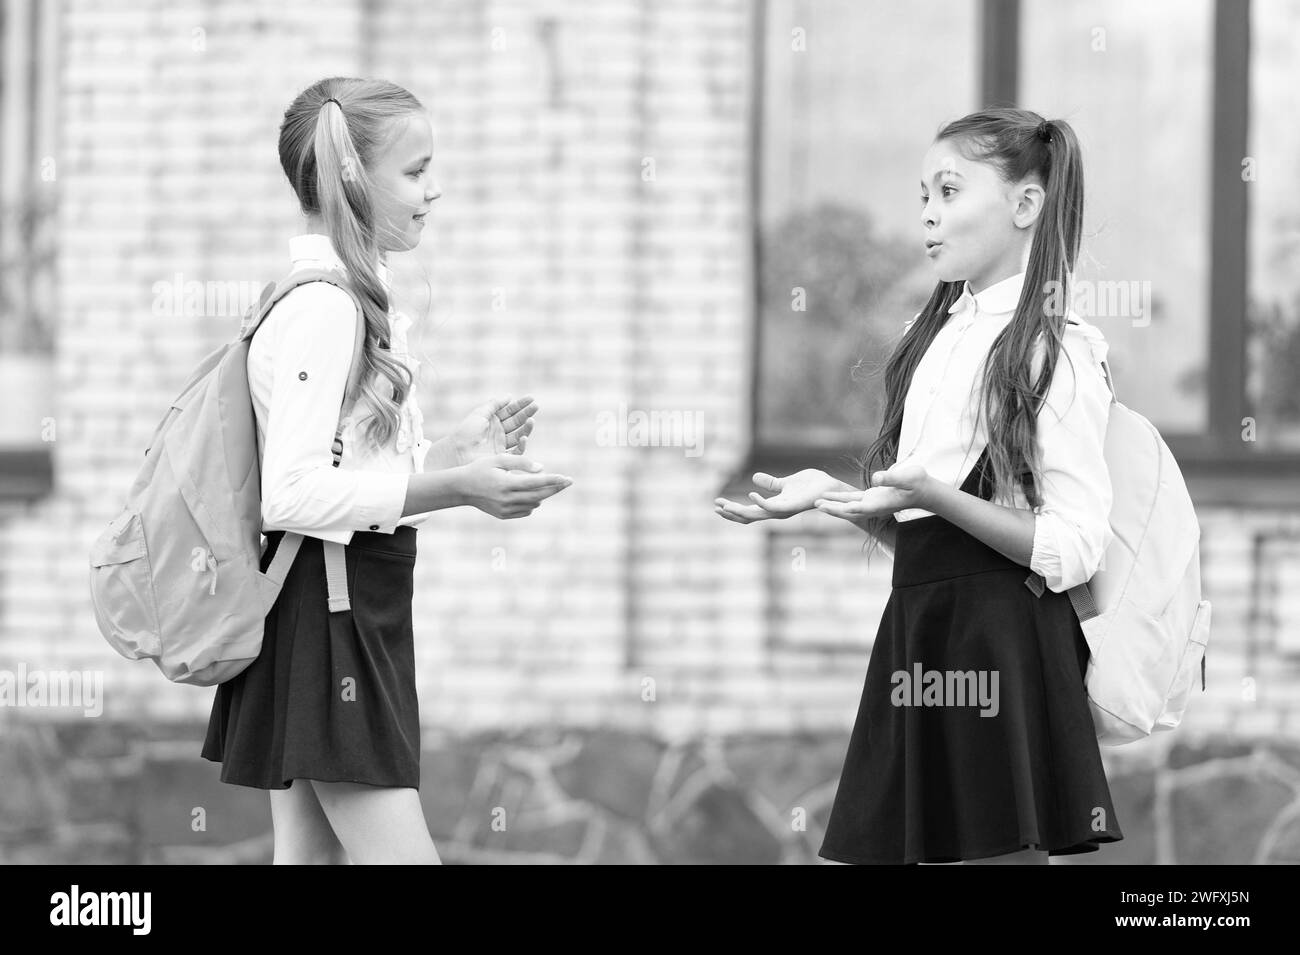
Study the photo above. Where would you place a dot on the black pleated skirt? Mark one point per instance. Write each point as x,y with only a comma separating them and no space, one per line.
973,737
331,696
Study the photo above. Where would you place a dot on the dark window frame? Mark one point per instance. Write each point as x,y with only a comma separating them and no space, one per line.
1220,468
27,473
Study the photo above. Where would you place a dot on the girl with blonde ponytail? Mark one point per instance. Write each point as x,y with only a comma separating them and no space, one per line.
974,740
327,719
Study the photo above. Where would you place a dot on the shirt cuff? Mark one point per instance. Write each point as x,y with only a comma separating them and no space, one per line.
1048,558
383,495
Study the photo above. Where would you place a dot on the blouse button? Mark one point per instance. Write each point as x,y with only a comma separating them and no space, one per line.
302,376
374,527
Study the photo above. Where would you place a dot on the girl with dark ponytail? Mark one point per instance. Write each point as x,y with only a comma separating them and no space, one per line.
326,718
987,482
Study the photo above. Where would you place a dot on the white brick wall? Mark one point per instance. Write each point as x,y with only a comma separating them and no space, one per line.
616,291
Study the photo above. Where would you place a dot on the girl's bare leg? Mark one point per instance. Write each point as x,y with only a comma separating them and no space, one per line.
378,825
302,833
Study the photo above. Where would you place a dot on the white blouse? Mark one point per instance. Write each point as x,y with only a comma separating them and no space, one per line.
298,365
1072,526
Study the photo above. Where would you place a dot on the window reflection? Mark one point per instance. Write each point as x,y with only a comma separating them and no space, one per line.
1273,279
853,93
1135,82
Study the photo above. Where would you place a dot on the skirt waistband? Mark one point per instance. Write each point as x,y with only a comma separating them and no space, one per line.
401,541
933,548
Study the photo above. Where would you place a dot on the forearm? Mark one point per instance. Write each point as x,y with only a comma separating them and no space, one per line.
443,454
1008,530
434,491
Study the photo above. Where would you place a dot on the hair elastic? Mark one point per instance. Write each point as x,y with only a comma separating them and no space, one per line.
331,99
1044,131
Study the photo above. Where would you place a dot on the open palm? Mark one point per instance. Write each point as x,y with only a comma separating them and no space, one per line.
897,488
499,426
794,494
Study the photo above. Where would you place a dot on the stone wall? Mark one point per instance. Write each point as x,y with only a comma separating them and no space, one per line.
103,792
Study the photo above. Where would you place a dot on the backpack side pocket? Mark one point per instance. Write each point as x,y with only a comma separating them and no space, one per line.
121,588
1191,669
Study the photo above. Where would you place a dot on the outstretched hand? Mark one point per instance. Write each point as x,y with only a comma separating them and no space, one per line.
508,485
794,494
900,487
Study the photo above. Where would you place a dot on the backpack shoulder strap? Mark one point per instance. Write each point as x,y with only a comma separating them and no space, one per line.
335,565
1105,367
271,295
1110,382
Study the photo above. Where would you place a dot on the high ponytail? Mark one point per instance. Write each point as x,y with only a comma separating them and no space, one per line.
331,134
1018,143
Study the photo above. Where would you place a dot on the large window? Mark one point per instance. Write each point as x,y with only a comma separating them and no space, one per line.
1186,110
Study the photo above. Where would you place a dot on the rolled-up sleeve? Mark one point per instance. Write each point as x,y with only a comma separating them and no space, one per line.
1072,525
301,489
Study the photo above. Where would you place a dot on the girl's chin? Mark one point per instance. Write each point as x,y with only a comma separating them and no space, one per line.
406,241
944,272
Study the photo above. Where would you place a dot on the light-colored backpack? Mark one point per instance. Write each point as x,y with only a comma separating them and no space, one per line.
175,578
1143,616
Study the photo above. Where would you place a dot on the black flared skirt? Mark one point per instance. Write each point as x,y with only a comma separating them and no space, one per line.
331,696
973,737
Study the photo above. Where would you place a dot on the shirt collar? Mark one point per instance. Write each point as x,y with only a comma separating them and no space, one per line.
319,248
997,299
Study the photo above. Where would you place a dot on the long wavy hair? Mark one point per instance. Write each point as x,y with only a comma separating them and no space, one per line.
1017,143
327,150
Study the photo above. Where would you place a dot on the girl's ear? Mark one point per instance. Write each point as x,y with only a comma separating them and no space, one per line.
1029,197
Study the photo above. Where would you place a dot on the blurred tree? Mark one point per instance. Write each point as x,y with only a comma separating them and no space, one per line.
1277,325
828,297
27,257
